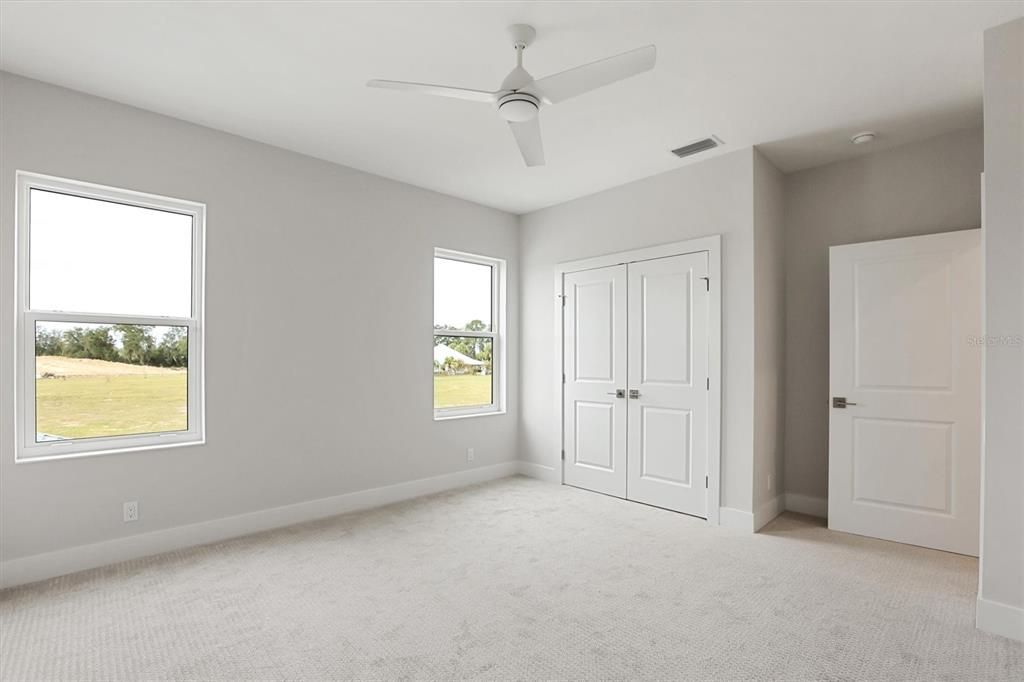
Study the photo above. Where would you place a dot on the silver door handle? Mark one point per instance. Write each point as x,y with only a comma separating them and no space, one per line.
618,393
841,402
634,393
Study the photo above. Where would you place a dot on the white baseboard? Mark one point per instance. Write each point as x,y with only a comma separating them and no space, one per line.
728,517
1000,619
61,562
805,504
767,511
541,471
736,519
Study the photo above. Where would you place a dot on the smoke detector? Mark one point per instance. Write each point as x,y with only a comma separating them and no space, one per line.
863,137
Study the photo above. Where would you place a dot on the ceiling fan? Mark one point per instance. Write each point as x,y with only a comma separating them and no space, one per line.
520,98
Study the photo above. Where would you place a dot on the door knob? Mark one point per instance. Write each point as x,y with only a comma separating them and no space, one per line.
841,402
618,393
634,393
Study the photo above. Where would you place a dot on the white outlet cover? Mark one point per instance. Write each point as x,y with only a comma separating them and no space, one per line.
470,454
131,511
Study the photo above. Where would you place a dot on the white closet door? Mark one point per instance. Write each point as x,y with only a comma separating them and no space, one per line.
905,423
594,361
668,374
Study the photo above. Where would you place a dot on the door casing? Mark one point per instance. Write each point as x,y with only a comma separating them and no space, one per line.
713,245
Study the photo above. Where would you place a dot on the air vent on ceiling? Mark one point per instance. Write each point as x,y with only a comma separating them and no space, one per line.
697,147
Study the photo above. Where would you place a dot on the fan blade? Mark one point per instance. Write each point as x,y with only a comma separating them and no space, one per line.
527,136
561,86
438,90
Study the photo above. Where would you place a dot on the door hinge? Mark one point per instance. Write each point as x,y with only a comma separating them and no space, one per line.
563,455
563,377
707,283
705,481
708,386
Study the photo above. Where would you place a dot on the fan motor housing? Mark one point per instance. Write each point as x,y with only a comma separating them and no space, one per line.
518,107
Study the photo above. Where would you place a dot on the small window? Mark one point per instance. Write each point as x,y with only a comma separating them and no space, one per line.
468,336
110,310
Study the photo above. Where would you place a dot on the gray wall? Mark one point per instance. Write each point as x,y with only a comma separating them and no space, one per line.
1002,540
769,334
919,188
293,244
713,197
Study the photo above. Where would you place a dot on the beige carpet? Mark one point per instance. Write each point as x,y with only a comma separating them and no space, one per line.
513,579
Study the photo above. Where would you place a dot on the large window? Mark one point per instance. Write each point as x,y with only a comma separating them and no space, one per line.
110,319
468,333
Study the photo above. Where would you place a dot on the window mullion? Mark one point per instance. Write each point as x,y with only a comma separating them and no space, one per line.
105,318
466,334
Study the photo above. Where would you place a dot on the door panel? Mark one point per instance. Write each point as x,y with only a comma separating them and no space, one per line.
665,445
665,326
595,435
594,339
668,371
594,343
904,311
904,455
918,478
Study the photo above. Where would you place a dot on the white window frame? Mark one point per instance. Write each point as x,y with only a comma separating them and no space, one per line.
28,449
496,334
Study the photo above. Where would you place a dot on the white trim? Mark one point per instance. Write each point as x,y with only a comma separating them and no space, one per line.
448,416
27,449
736,519
709,243
558,375
457,332
1000,619
497,335
767,511
156,441
542,472
713,245
61,562
806,504
112,318
983,436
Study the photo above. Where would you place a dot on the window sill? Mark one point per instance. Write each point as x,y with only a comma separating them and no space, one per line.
452,417
29,459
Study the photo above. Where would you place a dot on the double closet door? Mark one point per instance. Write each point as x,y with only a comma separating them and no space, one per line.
635,386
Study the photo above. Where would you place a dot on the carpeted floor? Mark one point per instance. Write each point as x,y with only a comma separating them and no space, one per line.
513,579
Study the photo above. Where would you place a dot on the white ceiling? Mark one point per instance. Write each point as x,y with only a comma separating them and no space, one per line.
797,78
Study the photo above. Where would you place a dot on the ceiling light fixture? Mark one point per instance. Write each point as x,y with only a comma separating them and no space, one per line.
864,137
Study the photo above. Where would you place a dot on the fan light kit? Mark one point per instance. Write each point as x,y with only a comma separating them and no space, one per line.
521,97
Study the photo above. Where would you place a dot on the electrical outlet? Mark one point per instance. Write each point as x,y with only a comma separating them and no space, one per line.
470,454
131,511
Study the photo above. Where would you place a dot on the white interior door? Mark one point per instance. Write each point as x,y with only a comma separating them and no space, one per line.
594,363
904,454
668,389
